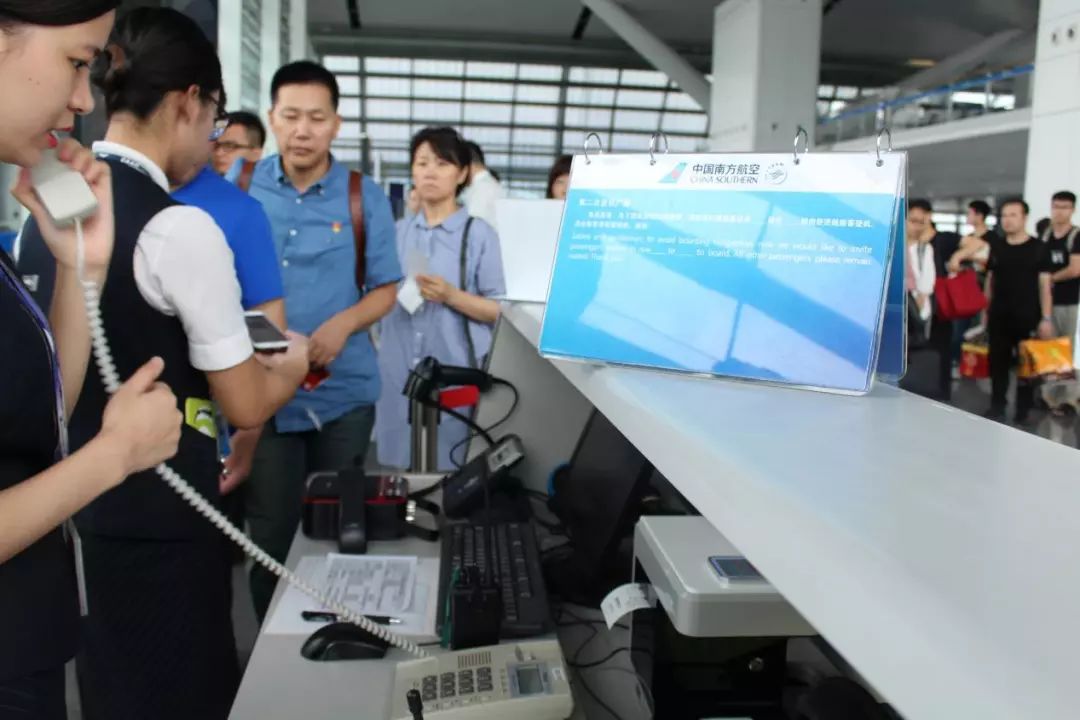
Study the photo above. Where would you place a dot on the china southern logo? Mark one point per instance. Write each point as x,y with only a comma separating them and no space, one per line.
674,175
776,173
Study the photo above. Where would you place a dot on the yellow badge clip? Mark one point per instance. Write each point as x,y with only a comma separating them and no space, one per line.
199,415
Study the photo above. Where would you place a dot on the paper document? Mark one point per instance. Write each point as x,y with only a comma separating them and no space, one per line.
371,585
404,588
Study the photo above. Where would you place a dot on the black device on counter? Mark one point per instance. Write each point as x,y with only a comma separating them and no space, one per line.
355,509
430,376
463,491
514,562
343,641
598,497
476,608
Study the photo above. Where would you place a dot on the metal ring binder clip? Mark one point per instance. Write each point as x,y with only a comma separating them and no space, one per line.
652,146
599,145
883,131
801,133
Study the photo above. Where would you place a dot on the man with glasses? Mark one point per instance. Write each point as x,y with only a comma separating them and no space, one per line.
242,140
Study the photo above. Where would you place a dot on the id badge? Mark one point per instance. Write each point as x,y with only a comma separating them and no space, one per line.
80,567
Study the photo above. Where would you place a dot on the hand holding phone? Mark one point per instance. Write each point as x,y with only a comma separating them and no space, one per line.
68,184
292,364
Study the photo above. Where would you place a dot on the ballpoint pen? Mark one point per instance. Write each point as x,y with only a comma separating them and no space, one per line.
323,616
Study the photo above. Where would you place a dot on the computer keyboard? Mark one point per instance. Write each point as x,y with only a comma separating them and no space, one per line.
515,565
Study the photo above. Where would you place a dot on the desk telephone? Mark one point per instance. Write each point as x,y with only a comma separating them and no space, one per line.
527,680
68,199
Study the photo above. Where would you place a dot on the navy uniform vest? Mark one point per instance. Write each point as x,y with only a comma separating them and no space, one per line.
143,507
39,610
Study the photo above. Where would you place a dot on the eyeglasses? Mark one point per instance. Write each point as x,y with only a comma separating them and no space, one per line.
231,147
221,120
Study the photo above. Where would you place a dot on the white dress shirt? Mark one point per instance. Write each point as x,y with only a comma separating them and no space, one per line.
921,257
184,268
481,196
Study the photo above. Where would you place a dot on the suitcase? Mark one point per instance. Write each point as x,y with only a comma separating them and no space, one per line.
923,376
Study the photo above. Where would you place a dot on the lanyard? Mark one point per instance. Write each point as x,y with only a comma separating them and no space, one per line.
43,326
133,164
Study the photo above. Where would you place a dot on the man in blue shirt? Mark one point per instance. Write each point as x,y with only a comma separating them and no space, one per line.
306,194
247,230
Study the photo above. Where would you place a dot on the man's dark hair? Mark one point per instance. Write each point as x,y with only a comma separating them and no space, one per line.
446,144
1014,201
920,204
53,13
305,72
1041,227
980,207
561,167
250,121
1065,196
476,153
155,51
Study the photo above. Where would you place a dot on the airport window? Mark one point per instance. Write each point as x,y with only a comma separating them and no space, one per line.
523,115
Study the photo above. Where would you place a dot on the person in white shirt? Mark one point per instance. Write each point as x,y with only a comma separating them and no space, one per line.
484,190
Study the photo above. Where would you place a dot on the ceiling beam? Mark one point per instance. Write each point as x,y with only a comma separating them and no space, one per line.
582,23
354,14
655,51
963,63
501,48
861,72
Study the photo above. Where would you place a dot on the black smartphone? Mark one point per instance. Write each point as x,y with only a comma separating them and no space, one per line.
265,335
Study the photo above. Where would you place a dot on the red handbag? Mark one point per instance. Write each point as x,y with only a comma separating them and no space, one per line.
959,296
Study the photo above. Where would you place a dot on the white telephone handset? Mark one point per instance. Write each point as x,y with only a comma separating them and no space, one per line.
68,198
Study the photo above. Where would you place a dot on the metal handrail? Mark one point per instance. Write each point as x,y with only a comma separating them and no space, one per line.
886,106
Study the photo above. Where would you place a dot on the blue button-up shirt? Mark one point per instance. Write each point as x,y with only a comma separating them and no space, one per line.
434,329
313,236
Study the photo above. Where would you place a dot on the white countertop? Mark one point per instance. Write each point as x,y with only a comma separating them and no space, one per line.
937,551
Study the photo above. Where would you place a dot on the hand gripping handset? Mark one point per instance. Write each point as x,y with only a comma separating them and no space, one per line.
68,199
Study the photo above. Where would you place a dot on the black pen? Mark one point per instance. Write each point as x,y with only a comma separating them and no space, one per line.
323,616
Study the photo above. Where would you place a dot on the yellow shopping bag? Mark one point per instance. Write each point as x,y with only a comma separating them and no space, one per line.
1043,360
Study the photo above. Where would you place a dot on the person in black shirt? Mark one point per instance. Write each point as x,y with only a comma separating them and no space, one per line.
46,47
1063,254
1018,289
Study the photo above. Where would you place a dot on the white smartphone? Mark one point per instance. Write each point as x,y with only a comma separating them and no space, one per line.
265,335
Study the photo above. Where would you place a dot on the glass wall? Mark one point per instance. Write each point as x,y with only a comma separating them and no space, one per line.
522,115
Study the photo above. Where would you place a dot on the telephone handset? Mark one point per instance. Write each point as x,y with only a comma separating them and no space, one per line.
68,199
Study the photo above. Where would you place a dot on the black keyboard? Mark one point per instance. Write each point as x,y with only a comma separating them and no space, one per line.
515,564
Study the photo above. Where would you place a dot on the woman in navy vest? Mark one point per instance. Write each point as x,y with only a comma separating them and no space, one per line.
158,640
46,47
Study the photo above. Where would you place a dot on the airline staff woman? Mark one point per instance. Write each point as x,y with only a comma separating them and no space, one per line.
158,641
454,323
46,47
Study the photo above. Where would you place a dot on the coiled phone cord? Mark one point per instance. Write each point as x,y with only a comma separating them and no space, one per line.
111,379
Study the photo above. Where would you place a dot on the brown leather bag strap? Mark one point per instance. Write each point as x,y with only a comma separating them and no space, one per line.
356,212
247,171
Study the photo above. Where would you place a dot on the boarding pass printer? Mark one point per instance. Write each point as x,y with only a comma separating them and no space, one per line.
710,647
